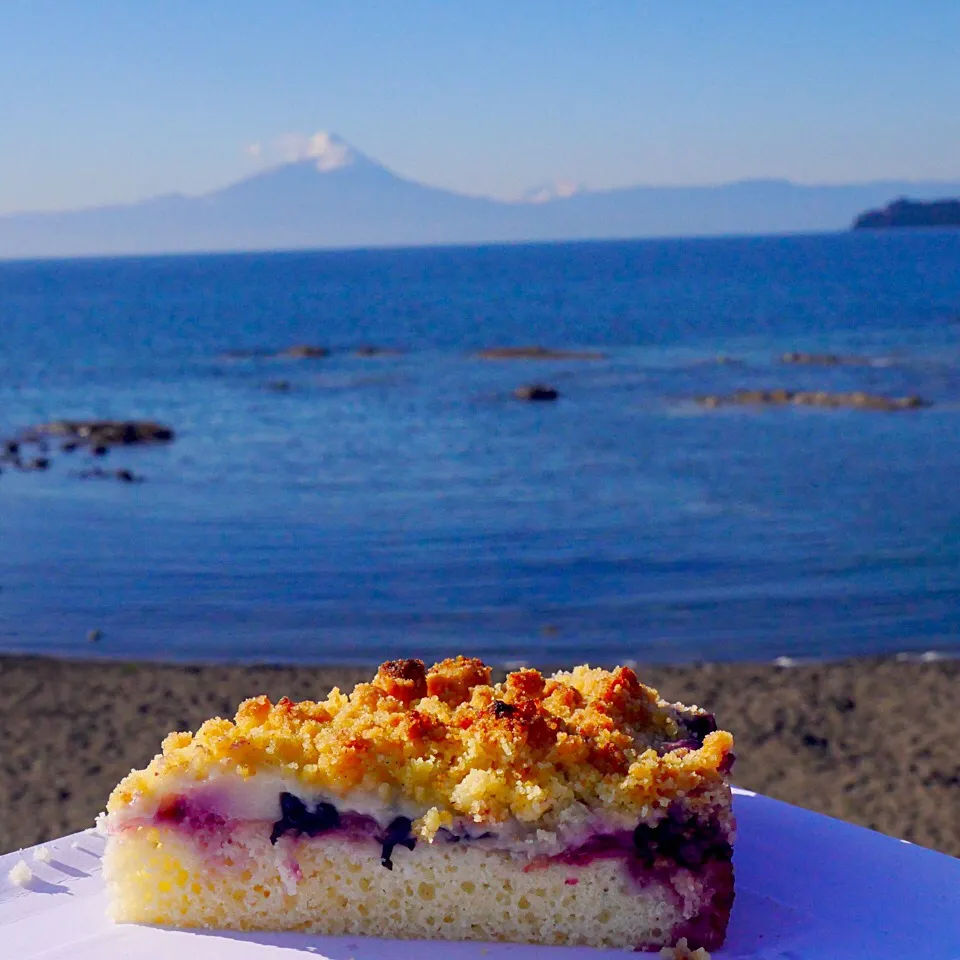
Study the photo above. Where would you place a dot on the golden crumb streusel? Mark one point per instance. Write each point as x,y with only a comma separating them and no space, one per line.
682,951
454,745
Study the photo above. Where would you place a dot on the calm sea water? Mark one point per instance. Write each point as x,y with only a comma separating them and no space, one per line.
405,504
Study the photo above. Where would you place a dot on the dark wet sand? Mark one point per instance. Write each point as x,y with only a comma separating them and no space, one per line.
873,742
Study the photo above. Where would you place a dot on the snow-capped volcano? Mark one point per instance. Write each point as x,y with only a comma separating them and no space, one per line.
317,190
554,190
328,151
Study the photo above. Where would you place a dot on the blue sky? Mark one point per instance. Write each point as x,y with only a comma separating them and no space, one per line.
106,100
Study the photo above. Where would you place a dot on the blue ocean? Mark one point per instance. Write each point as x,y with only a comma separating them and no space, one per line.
347,508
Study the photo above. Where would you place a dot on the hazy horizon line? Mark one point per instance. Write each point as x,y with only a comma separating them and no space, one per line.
581,190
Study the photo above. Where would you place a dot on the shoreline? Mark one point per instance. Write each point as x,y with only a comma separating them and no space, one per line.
872,741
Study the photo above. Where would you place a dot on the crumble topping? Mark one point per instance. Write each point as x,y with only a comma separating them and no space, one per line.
20,874
533,748
683,952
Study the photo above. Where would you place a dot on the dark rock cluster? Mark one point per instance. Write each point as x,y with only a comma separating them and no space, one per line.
825,359
807,398
101,433
537,353
536,391
306,351
97,437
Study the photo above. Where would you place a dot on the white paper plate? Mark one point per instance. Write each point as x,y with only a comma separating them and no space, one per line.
808,888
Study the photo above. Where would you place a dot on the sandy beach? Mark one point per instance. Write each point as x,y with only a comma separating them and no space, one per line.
870,741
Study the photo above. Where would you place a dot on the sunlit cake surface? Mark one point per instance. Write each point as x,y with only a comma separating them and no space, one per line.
580,808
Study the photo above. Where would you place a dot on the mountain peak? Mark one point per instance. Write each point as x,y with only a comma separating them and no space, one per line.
328,151
554,190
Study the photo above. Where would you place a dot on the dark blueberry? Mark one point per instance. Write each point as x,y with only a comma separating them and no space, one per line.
173,811
293,808
501,709
701,724
297,818
397,834
681,837
688,743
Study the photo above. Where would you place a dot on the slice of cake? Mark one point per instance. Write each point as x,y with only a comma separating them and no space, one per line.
575,809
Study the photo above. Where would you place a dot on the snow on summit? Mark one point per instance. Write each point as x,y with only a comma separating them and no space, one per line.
327,150
330,151
555,190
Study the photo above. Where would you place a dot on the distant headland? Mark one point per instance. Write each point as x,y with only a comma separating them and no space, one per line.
911,213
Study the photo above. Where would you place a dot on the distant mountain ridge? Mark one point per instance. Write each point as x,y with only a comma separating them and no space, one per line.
338,197
911,213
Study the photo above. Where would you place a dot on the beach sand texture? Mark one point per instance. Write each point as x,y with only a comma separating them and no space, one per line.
874,742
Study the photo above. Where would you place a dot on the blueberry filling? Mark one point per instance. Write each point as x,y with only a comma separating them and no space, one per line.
452,837
178,811
726,764
682,837
688,743
298,818
397,834
700,725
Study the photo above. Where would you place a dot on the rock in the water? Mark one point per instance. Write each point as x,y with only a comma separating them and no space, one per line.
104,433
98,473
299,351
536,391
368,350
537,353
37,463
806,398
304,351
825,359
